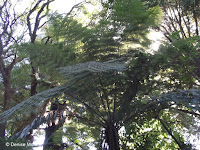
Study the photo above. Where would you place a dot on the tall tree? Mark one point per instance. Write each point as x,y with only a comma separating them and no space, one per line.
10,19
11,39
40,14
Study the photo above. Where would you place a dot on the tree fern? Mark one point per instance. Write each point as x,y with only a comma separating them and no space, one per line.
28,106
98,91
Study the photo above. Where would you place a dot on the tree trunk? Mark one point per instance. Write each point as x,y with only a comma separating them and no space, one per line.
33,81
48,142
2,129
8,91
112,137
56,114
8,94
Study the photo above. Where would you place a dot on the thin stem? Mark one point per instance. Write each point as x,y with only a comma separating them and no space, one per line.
170,133
92,110
106,97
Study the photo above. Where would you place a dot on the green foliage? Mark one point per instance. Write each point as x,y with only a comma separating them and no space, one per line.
20,76
103,39
76,135
148,134
134,19
183,67
67,34
115,86
38,100
65,29
105,83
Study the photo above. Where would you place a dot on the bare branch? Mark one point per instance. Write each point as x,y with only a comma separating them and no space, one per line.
14,62
196,22
37,19
42,25
76,6
1,7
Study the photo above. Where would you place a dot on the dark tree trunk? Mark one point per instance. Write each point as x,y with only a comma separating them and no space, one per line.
56,111
112,137
33,81
48,136
2,129
48,142
8,94
6,104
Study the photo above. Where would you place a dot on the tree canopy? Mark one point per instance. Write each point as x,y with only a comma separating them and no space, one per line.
94,83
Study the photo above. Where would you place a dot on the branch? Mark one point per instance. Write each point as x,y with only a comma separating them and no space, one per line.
92,110
1,47
101,98
75,6
8,22
114,102
187,24
2,67
172,20
15,61
170,133
153,105
37,19
196,22
106,97
89,121
42,25
4,4
96,106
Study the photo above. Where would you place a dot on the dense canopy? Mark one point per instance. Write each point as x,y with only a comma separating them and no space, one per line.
87,78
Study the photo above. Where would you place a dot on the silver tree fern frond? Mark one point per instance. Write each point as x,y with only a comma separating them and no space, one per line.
93,67
182,98
189,98
74,72
31,104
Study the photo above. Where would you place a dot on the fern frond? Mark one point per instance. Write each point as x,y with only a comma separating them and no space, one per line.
75,73
31,104
182,98
93,67
189,98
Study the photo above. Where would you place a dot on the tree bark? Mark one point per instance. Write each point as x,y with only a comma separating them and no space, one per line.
49,131
8,91
2,129
112,137
56,112
8,94
33,81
